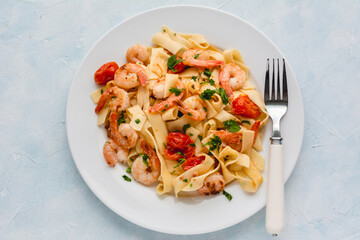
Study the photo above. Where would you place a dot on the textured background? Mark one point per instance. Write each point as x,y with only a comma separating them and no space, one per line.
42,195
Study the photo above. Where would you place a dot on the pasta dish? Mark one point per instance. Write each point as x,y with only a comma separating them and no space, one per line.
182,115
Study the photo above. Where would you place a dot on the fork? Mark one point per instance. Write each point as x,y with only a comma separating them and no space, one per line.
276,106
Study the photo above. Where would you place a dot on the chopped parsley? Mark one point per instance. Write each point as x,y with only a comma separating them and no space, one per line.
121,118
196,56
224,96
207,94
192,144
164,30
246,121
194,78
145,159
174,34
107,142
227,195
190,184
180,153
172,62
165,146
185,127
102,91
126,178
205,109
200,137
189,114
137,121
166,105
185,180
182,160
190,134
214,143
212,82
128,170
131,159
207,72
232,126
113,97
176,91
172,172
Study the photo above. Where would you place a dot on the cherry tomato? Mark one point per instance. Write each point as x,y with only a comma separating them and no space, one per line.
193,161
178,146
105,73
178,140
243,106
178,67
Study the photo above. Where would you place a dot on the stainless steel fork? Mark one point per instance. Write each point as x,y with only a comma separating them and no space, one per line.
276,105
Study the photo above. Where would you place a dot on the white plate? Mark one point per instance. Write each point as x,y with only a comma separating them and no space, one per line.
140,204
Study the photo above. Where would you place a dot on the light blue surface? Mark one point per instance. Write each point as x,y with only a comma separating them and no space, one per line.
42,195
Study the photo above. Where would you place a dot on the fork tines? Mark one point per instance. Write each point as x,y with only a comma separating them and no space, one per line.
278,97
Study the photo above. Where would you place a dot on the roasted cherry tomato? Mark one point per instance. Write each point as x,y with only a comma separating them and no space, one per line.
193,161
243,106
105,73
178,140
178,146
178,68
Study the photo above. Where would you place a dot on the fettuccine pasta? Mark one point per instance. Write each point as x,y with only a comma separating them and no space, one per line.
183,115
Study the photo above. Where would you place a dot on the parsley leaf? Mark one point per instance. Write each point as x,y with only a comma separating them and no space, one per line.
232,126
194,78
192,144
196,56
172,172
212,82
137,121
176,91
200,137
190,184
185,127
180,153
189,114
214,143
190,134
172,62
145,159
120,120
182,160
223,95
205,109
246,121
128,170
227,195
165,146
207,94
207,72
185,180
102,91
126,178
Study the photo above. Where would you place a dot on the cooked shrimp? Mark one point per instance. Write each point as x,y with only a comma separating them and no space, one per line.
159,88
170,101
136,54
199,58
143,171
119,99
123,135
114,153
213,184
193,107
129,75
231,77
233,140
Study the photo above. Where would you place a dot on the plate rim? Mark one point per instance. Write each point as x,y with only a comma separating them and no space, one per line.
128,217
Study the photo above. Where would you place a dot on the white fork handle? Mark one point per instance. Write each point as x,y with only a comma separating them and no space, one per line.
275,192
